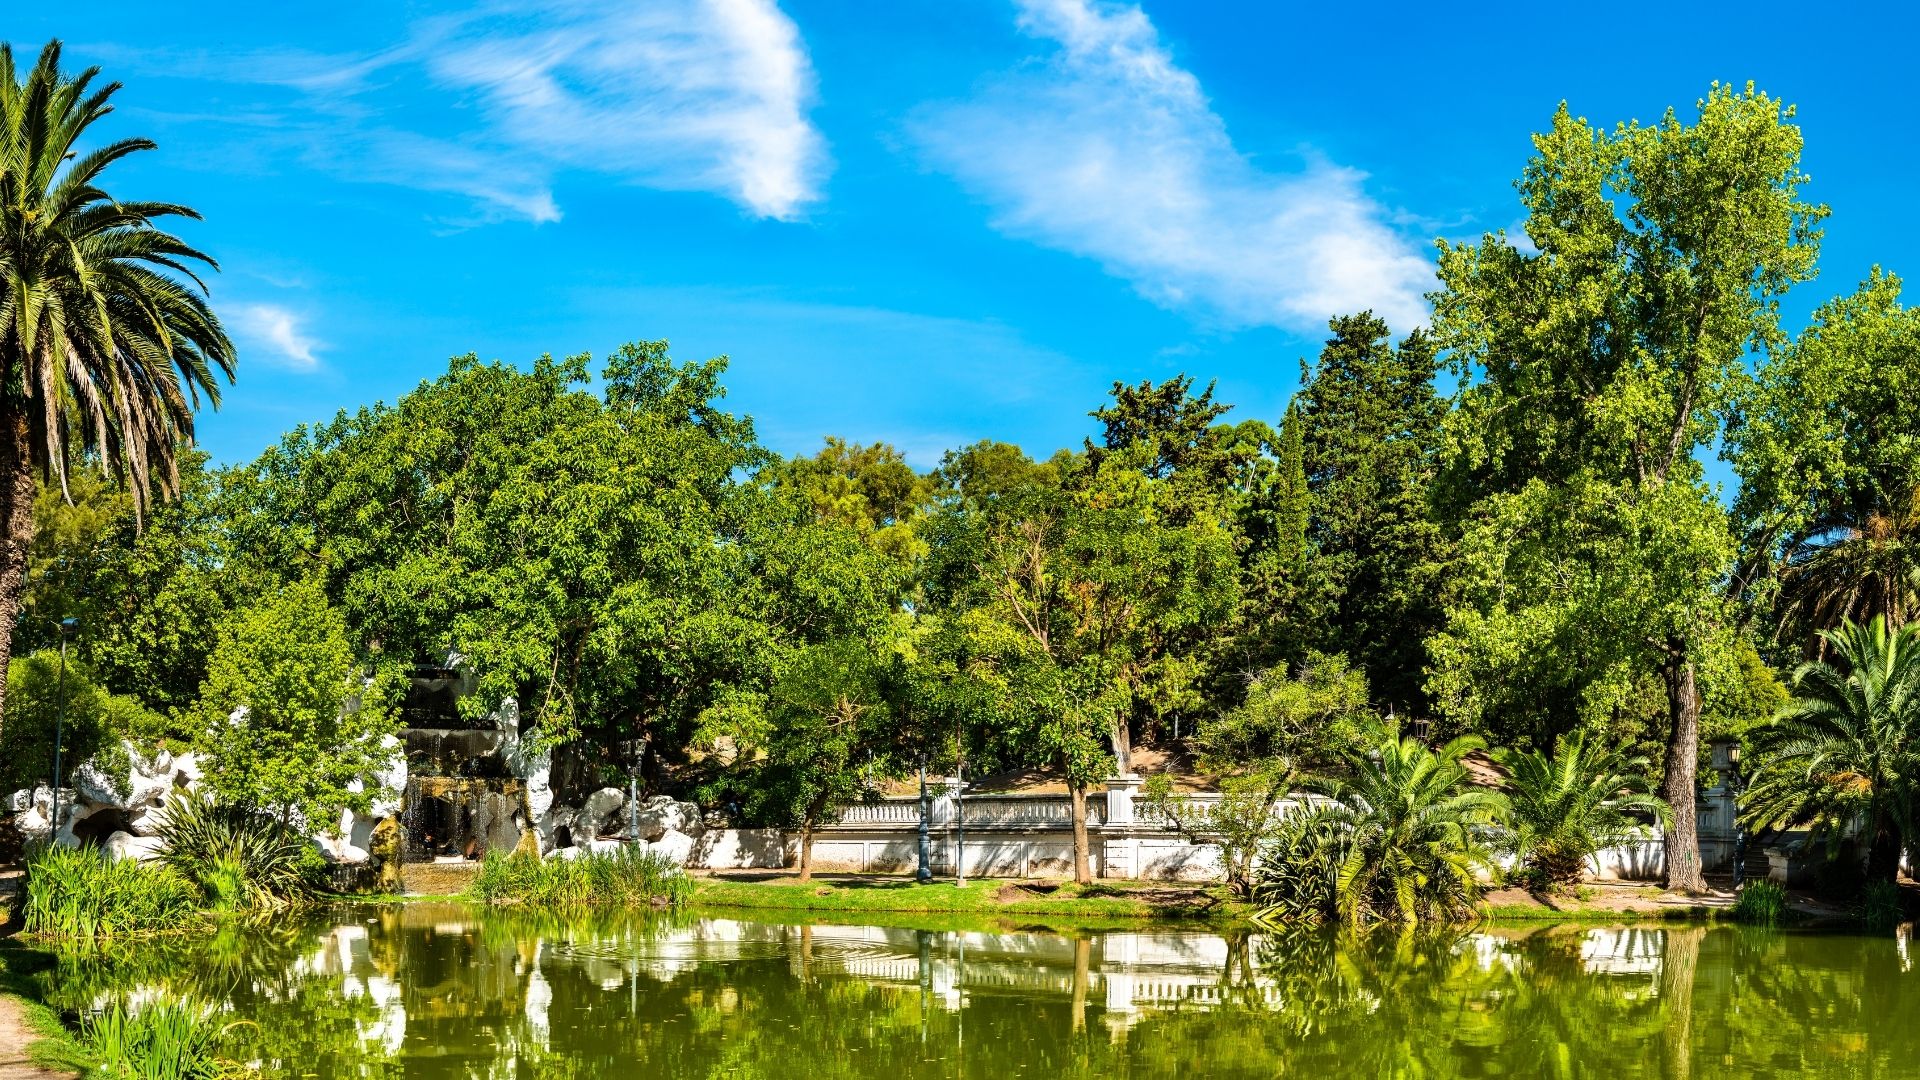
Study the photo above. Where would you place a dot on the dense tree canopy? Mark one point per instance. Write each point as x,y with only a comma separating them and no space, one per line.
1500,527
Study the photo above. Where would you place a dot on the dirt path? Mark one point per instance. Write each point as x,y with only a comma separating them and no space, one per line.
15,1035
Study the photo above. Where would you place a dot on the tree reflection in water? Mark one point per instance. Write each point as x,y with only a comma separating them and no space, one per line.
446,990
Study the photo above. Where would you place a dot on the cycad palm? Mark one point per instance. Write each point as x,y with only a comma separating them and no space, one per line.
1579,800
1416,832
107,344
1843,754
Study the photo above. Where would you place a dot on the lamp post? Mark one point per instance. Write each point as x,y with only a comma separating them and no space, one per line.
60,718
1724,753
637,750
924,873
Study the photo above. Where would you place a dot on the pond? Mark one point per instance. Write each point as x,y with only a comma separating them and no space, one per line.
443,990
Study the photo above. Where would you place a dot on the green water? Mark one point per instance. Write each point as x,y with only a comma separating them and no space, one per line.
452,991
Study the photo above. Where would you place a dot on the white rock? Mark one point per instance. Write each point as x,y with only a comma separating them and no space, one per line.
187,772
96,787
128,846
148,820
390,782
151,779
566,853
33,824
607,847
595,812
349,853
546,827
675,845
20,800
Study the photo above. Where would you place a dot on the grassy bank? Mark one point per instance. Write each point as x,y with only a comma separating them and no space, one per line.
26,1021
1100,900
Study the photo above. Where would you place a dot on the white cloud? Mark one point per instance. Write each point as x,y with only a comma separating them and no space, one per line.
704,95
279,332
493,104
1110,150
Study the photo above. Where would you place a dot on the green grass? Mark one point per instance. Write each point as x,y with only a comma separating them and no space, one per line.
55,1048
1528,913
981,897
626,877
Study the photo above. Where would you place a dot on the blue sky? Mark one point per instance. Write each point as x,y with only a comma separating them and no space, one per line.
924,222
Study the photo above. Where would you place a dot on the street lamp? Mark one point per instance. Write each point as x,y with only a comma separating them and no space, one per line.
924,873
1724,758
635,749
60,718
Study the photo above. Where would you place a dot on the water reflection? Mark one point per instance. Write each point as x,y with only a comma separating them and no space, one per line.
445,990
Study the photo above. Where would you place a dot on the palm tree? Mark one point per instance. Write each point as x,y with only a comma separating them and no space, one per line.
1416,832
1859,571
106,340
1844,753
1581,799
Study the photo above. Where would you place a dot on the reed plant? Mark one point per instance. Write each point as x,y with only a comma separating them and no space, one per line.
79,893
1760,903
628,877
161,1041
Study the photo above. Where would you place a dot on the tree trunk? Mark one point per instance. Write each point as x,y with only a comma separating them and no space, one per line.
806,851
1082,968
1883,855
1679,965
16,533
1081,871
1684,872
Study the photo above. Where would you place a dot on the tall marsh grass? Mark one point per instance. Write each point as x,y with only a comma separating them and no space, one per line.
1760,903
627,877
162,1041
79,893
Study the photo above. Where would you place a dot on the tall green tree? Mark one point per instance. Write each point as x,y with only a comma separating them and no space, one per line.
870,489
107,344
616,563
1370,425
1823,441
289,722
823,738
1065,597
1595,369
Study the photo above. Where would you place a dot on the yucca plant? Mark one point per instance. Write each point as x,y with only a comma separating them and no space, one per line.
1296,875
240,857
79,893
1566,806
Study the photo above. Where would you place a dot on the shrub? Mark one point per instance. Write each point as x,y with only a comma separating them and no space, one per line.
240,857
1566,807
1761,903
631,877
75,892
1882,905
1296,876
162,1041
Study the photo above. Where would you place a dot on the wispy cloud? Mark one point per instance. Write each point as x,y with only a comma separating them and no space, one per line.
493,104
1108,149
277,331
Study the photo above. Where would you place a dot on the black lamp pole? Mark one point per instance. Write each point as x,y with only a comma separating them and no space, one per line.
925,872
60,719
